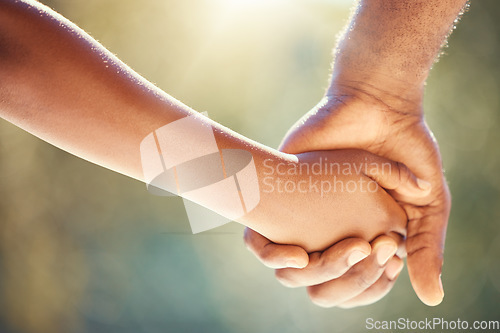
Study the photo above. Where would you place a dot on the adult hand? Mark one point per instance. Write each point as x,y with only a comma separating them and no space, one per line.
353,115
339,276
375,103
332,276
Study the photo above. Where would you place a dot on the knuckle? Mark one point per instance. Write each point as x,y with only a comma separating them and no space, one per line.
265,254
283,278
363,281
318,298
421,242
334,267
330,260
403,172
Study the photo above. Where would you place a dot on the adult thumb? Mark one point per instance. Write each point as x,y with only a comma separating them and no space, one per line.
425,246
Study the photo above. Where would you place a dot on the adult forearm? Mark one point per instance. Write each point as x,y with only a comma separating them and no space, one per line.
390,45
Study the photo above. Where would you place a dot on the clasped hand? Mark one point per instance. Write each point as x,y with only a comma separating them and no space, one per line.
362,268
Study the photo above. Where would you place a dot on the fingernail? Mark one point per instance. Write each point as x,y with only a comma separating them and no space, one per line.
384,253
292,263
423,184
393,269
355,257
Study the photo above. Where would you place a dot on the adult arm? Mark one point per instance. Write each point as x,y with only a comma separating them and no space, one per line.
374,102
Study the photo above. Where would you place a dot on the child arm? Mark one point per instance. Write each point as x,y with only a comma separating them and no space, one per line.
61,85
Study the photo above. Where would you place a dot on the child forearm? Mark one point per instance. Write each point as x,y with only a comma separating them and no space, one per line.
61,85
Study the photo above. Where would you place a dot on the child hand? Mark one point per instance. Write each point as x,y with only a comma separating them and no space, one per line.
329,196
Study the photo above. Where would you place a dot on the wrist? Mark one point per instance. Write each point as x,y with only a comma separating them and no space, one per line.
378,88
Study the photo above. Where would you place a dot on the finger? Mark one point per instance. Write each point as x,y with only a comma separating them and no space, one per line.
275,255
380,288
387,173
397,178
326,265
401,241
425,246
427,225
357,279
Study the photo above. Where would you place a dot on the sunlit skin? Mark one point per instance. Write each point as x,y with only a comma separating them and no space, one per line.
374,103
62,86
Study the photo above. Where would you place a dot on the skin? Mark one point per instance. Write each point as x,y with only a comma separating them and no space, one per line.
314,221
367,278
374,103
59,84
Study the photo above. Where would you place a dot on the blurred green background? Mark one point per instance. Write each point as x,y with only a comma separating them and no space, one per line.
83,249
